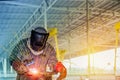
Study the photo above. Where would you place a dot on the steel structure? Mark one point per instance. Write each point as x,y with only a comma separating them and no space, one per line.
18,17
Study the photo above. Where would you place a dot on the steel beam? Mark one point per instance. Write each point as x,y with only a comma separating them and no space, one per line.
20,4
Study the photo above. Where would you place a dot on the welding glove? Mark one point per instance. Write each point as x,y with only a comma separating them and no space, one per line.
19,67
62,70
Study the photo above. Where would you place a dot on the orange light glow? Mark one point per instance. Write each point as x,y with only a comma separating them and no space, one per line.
33,71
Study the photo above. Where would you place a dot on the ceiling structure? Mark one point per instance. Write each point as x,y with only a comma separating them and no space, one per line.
80,23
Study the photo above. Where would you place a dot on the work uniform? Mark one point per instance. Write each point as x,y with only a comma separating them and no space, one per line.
24,54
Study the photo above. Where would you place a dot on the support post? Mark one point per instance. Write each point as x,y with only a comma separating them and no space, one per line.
11,69
5,67
117,27
53,32
87,32
45,15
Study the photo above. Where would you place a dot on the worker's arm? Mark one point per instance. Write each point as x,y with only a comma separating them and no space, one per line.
62,70
19,67
55,66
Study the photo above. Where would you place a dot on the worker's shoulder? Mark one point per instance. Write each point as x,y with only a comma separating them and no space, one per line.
50,48
49,45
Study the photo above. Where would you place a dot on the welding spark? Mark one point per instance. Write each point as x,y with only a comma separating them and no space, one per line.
33,71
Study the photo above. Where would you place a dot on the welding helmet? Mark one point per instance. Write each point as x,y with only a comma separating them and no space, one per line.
38,38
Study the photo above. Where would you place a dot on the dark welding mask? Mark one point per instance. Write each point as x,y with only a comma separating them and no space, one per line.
38,38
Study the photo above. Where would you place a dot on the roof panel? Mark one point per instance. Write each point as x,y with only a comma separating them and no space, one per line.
31,2
68,3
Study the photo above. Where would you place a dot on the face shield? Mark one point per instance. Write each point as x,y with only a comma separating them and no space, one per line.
38,40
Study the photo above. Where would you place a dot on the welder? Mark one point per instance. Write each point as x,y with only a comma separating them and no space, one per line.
34,58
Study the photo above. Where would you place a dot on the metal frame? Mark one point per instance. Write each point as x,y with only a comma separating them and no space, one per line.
77,18
44,7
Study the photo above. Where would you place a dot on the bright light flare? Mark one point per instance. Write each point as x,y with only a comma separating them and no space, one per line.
33,71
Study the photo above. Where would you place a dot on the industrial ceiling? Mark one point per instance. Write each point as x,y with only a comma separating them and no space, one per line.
80,23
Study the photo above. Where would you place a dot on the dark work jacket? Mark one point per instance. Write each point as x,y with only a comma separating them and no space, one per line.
23,54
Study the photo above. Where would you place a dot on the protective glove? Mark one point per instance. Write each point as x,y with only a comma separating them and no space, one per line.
62,70
19,67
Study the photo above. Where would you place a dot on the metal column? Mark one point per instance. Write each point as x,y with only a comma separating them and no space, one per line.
45,15
87,34
117,27
5,67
